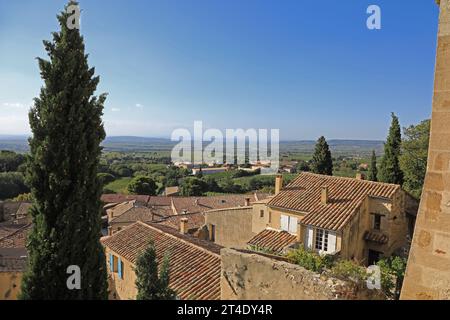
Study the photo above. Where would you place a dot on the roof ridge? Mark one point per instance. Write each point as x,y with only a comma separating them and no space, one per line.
158,228
347,178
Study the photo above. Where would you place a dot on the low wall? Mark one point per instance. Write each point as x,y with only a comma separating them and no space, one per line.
248,276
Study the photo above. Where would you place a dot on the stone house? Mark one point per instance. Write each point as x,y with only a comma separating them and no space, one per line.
194,264
357,219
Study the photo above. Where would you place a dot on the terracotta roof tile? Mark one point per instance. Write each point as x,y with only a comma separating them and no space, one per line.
194,264
118,198
134,214
14,236
195,220
272,240
376,237
346,195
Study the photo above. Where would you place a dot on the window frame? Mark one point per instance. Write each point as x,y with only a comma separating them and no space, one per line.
321,240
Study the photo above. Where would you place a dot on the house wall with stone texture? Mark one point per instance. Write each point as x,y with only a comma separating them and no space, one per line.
247,276
10,283
233,227
428,269
121,289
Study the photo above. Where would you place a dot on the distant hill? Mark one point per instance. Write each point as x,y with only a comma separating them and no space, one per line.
143,144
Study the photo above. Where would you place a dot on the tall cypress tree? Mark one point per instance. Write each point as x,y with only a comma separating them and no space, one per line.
390,171
373,173
62,172
322,163
150,284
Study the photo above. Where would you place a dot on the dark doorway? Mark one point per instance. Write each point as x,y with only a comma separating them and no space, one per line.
374,257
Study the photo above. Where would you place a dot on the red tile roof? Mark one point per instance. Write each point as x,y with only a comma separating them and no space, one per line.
202,204
134,214
376,237
195,220
118,198
272,240
194,264
345,196
13,235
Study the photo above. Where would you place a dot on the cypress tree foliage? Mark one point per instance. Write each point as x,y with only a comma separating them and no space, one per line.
389,170
62,172
373,173
322,163
150,285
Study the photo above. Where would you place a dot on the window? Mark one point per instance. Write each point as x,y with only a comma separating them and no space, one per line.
322,240
377,222
261,214
120,268
289,224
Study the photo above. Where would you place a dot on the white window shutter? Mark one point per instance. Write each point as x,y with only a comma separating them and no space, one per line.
293,223
309,238
284,223
331,243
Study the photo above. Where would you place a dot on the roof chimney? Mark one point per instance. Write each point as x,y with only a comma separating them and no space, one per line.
278,183
360,176
247,202
183,226
324,197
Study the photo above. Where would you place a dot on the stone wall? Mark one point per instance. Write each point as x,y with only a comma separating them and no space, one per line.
233,227
250,276
428,270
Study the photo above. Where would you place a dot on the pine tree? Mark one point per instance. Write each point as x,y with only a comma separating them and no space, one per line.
150,285
389,170
62,172
373,173
322,163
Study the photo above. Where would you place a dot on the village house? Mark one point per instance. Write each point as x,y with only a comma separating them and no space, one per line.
194,264
356,219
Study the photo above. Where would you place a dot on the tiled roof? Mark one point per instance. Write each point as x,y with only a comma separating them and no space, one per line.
121,208
195,220
13,259
14,236
202,204
159,201
272,240
194,264
376,237
345,196
118,198
135,214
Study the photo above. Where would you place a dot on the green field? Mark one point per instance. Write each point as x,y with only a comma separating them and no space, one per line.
119,185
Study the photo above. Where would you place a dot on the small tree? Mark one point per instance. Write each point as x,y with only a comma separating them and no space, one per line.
390,171
192,186
392,275
373,172
322,163
150,284
142,185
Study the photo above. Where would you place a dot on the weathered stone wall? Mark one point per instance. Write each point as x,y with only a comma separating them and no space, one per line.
233,227
248,276
428,270
10,283
121,289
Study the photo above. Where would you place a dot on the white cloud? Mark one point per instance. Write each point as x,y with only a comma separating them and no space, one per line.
115,109
14,105
139,106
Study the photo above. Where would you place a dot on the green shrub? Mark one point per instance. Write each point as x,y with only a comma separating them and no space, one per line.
346,269
392,275
310,260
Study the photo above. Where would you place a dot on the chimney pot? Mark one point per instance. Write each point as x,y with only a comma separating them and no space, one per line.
183,226
278,183
247,202
325,195
109,231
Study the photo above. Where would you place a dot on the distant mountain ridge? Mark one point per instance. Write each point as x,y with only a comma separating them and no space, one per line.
19,143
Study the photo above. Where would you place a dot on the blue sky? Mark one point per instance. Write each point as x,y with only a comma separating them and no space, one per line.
308,68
